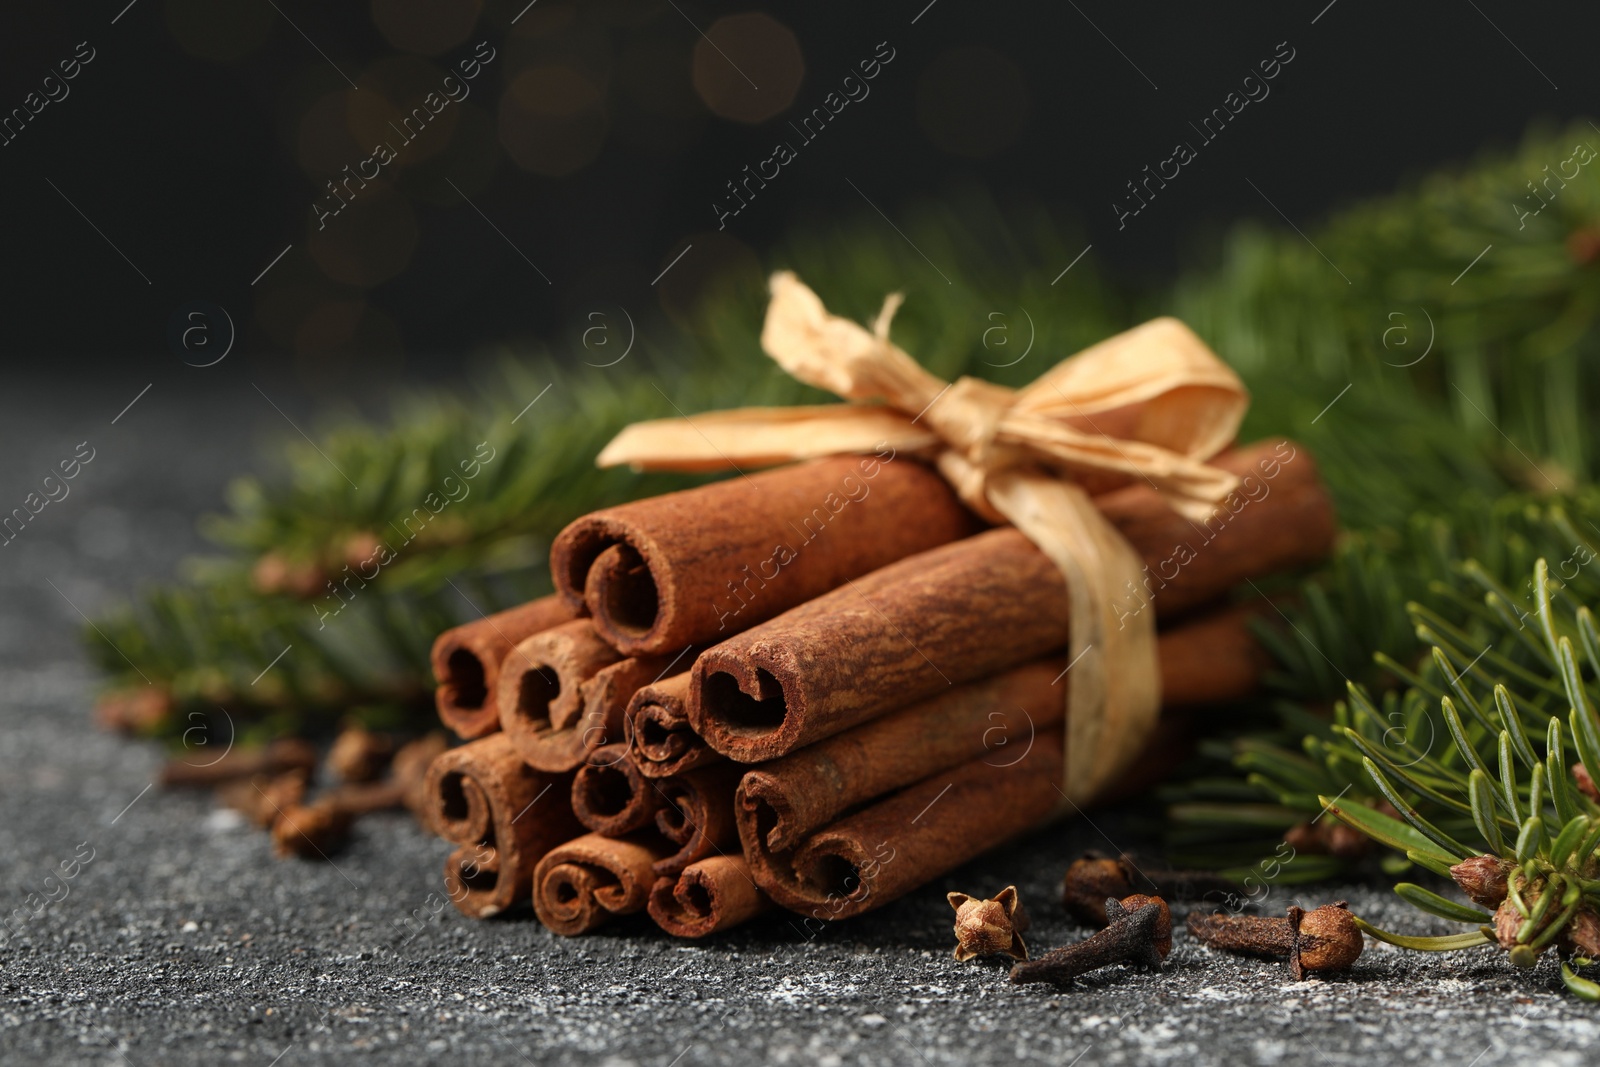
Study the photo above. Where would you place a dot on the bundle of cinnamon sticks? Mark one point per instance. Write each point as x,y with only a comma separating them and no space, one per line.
818,687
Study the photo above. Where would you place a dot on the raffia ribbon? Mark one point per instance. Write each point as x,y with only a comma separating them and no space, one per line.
1152,404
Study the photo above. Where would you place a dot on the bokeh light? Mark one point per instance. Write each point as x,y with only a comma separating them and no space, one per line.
426,27
971,102
324,143
396,109
748,67
370,240
553,120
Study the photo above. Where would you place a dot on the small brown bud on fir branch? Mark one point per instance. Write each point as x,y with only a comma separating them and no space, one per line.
1483,879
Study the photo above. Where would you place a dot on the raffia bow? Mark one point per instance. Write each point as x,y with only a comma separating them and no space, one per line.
1151,404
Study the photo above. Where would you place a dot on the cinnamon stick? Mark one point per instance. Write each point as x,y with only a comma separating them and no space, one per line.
607,696
539,693
780,803
902,842
504,814
696,815
661,741
784,808
708,897
564,694
694,566
466,662
611,797
969,609
579,886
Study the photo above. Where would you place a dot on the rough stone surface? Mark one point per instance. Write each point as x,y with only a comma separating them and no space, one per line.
184,941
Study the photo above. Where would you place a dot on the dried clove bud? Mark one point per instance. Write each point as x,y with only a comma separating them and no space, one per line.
308,830
1093,878
990,927
359,755
1248,935
1483,879
322,826
260,799
1161,935
277,757
1326,939
1088,884
1140,933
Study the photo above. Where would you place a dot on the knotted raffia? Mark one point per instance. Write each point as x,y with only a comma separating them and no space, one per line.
1152,404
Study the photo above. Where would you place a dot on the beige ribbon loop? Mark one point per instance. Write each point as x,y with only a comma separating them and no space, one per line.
1151,404
1112,678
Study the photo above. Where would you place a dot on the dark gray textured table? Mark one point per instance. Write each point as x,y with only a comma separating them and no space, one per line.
184,941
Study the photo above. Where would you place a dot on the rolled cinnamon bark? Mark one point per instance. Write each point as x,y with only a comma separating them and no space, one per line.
708,897
969,609
467,659
784,808
611,797
1212,659
780,803
504,814
565,695
904,841
696,815
580,885
660,739
694,566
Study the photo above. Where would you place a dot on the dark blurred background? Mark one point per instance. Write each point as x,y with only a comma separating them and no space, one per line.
189,151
